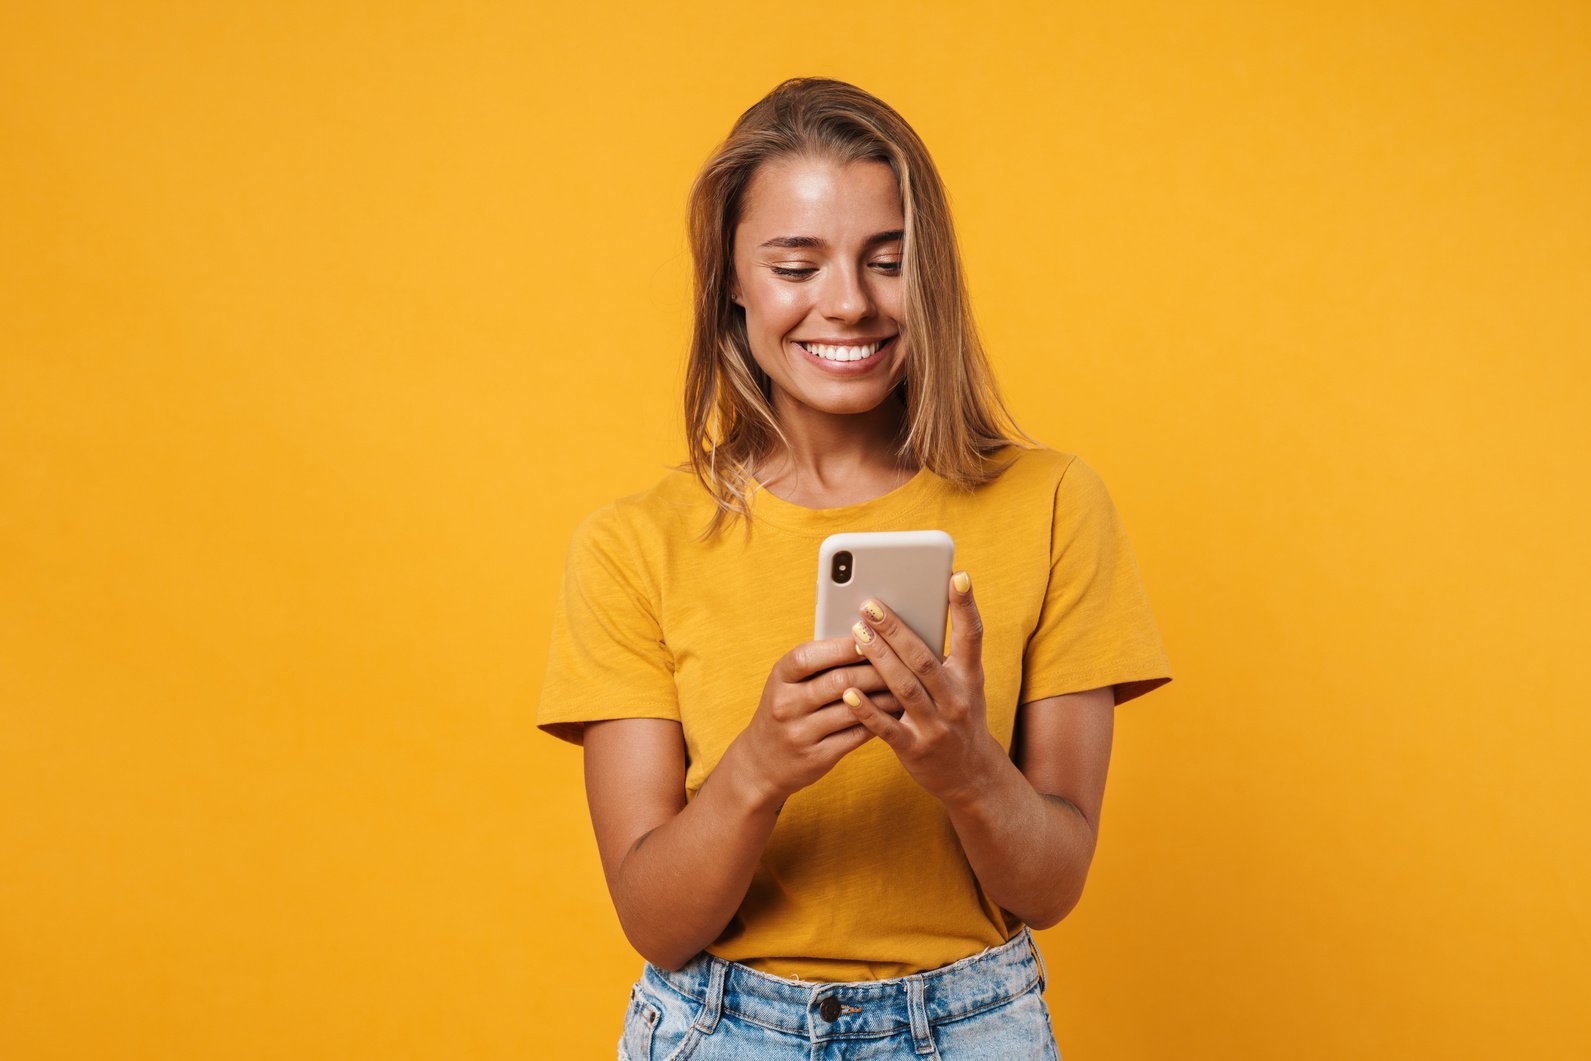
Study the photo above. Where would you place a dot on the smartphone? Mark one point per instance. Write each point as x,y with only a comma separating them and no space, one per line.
908,570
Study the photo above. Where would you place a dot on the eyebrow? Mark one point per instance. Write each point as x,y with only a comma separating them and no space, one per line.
796,242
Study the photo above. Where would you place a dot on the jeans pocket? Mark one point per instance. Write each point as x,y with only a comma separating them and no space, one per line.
1017,1029
668,1017
640,1021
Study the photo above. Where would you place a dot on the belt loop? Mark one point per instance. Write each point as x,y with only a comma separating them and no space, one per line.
1044,975
717,972
921,1036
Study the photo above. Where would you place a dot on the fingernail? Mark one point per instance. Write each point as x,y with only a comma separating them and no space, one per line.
850,697
863,634
858,648
962,581
873,611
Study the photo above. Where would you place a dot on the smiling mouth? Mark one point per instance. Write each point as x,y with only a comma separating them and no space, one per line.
848,352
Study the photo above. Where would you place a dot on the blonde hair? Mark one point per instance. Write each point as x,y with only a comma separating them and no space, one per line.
955,419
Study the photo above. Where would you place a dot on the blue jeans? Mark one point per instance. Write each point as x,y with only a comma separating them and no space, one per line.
988,1007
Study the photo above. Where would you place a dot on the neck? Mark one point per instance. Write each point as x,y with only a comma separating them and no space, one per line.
839,457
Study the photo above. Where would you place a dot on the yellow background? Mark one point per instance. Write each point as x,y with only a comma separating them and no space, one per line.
321,324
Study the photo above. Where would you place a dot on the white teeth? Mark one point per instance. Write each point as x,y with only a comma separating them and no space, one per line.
842,353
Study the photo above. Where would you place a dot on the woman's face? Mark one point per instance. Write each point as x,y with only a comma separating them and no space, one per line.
818,272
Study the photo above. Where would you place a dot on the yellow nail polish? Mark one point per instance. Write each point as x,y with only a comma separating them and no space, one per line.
863,634
873,611
962,581
850,697
858,648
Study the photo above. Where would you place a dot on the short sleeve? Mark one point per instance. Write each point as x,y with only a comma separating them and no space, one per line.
607,657
1095,626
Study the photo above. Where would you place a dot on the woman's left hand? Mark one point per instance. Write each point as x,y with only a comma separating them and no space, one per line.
942,738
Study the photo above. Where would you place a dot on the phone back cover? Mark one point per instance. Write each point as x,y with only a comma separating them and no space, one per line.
908,570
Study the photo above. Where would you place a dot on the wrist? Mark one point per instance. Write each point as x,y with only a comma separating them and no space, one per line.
987,772
747,786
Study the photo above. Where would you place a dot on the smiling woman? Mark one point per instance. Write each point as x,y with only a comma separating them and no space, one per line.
792,882
821,183
821,308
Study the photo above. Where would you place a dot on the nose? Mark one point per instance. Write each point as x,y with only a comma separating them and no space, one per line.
846,296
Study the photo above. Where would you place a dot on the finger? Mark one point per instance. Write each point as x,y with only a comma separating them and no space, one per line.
913,696
908,647
880,723
966,625
886,703
810,657
825,688
826,721
843,742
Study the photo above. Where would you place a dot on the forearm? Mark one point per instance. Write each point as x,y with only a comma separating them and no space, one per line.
1030,851
679,884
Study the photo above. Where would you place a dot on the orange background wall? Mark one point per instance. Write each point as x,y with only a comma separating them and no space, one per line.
321,324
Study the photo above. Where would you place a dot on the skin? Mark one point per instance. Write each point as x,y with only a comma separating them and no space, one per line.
842,430
1029,821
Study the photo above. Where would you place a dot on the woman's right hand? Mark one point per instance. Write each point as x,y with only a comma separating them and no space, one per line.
672,899
801,727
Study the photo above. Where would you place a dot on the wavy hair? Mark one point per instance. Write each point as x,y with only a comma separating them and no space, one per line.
955,418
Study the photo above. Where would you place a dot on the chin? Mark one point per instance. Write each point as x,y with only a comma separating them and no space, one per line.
851,404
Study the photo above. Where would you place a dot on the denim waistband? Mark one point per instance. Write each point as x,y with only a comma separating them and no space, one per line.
858,1008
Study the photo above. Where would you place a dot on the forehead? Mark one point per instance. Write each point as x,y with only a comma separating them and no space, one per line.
819,197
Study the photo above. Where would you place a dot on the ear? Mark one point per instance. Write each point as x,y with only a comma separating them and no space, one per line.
734,293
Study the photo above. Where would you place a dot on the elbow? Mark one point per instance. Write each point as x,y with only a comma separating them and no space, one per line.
664,954
1055,911
665,943
1050,918
667,960
1067,888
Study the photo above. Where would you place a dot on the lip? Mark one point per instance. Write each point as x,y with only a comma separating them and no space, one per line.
858,341
846,368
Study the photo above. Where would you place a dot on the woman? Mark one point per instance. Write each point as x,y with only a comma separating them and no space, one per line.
839,845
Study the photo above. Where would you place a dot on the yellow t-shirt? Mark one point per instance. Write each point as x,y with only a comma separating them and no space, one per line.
863,877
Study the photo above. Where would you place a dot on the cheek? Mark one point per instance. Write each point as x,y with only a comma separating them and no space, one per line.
777,307
892,300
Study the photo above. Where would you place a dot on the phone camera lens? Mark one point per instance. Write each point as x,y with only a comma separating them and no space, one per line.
841,569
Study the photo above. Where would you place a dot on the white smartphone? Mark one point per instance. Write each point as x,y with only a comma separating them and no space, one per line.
908,570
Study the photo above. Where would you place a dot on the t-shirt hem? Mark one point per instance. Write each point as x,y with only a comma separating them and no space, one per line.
1134,685
573,730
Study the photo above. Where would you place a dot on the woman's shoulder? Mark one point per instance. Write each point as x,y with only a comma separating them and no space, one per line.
1040,476
653,514
1035,465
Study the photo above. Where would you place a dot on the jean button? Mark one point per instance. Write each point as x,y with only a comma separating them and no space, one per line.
829,1009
